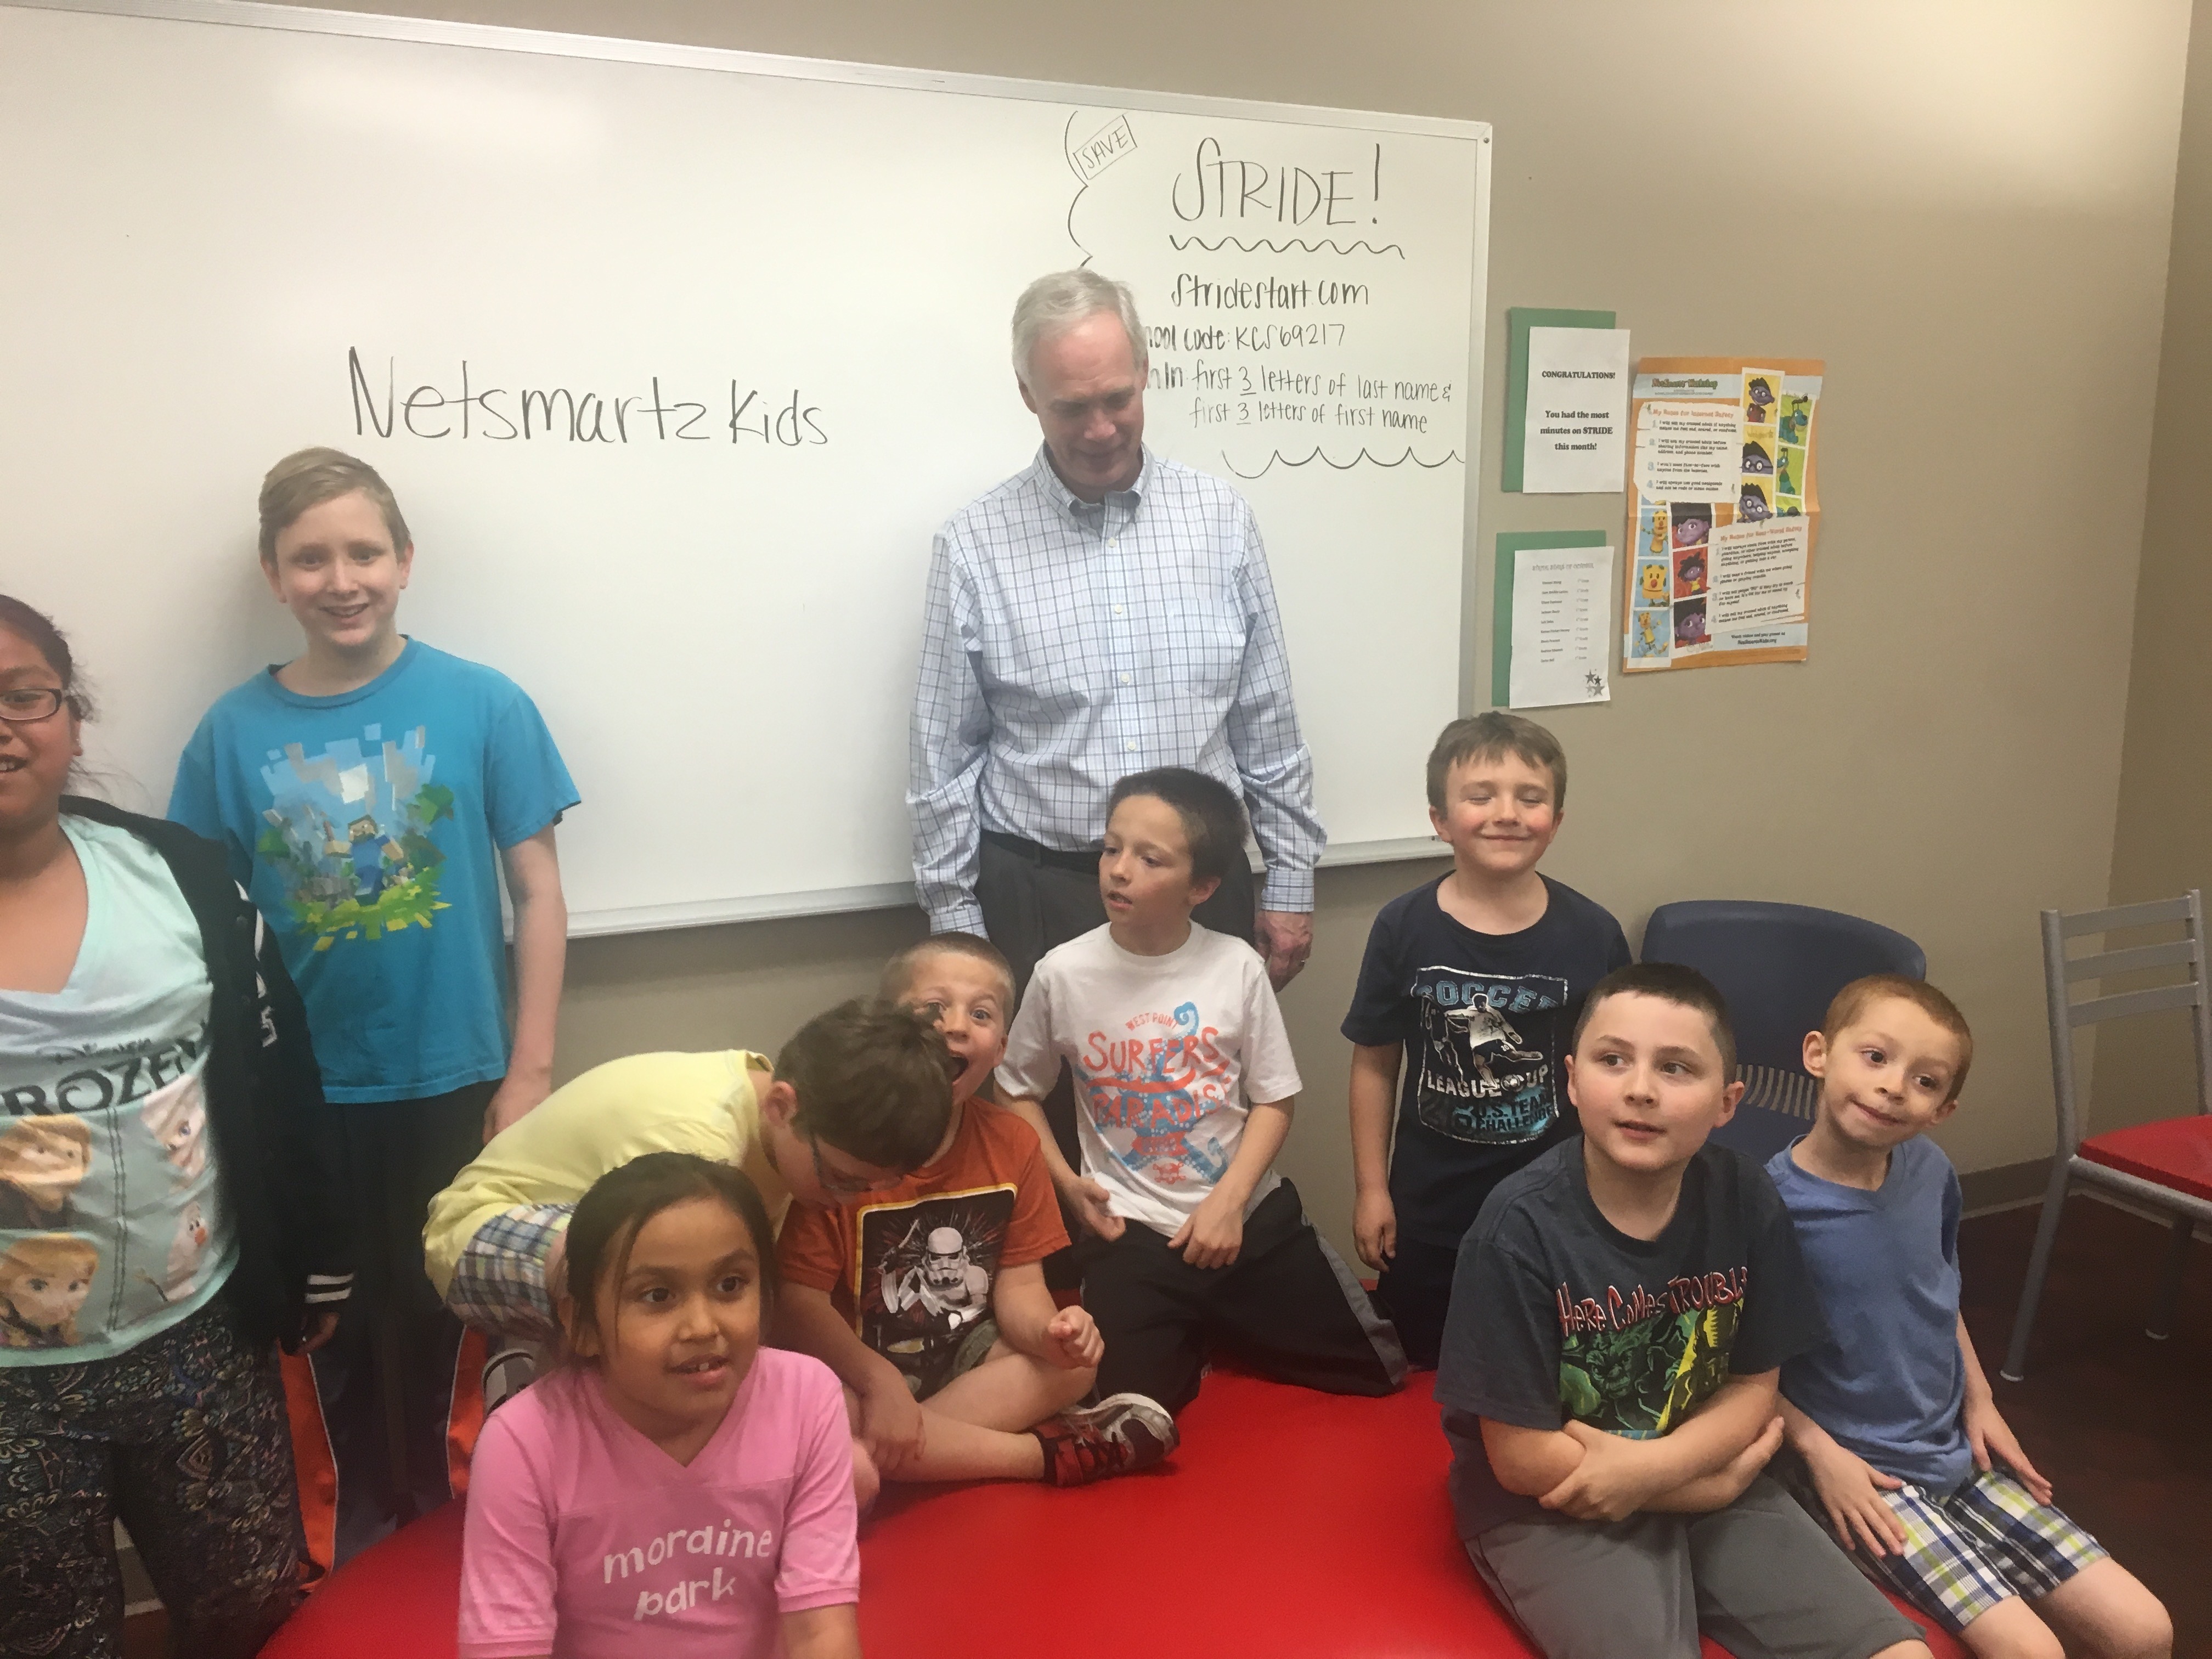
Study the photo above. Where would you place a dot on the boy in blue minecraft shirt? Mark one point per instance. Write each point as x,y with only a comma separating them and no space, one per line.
371,792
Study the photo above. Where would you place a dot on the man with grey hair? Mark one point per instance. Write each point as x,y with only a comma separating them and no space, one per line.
1102,612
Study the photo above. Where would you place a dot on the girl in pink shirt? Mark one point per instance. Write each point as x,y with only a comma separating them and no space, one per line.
675,1490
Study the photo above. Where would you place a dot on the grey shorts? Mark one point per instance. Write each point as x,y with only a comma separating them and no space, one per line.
956,1361
1758,1577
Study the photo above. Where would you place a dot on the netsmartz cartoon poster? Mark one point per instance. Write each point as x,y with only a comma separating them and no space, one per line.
922,1280
1723,516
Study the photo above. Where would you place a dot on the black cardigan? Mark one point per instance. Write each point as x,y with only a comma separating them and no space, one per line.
276,1146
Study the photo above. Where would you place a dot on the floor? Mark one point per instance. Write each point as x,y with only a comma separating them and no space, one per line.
2121,1425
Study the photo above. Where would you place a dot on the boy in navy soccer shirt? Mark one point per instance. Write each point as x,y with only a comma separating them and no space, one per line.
371,792
1474,981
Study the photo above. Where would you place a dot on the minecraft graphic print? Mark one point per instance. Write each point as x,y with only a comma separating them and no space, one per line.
923,1275
1487,1072
352,832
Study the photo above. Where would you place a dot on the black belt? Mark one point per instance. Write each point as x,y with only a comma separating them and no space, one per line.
1083,859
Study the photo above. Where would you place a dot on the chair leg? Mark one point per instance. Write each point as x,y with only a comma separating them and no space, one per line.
2038,1264
2169,1282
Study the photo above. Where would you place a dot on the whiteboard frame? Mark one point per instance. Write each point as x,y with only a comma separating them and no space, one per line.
494,37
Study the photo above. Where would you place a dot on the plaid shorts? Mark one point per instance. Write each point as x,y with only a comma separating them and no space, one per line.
1985,1543
499,1283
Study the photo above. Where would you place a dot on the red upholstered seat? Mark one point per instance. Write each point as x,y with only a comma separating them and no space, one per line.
2175,1152
1294,1524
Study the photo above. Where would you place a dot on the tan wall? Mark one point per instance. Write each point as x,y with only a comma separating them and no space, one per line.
1962,207
2144,1068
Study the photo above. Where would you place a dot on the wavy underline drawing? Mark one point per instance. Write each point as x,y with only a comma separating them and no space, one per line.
1179,243
1067,133
1341,466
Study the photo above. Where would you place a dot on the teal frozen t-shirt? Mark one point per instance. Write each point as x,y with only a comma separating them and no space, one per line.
112,1224
367,827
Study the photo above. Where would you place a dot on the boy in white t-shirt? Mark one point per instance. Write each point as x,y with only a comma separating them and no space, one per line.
1184,1084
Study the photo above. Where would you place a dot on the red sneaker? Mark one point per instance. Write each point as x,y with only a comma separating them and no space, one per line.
1122,1432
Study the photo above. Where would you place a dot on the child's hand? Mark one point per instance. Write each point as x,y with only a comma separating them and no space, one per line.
1072,1341
1611,1483
1212,1233
892,1424
1992,1439
1375,1229
1850,1490
1089,1201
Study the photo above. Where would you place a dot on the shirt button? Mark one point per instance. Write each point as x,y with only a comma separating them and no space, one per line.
1131,744
1114,541
1117,610
1125,679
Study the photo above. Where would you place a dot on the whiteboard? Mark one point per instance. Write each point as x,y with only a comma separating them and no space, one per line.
675,358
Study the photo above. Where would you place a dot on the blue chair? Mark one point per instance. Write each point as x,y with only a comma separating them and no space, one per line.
1779,966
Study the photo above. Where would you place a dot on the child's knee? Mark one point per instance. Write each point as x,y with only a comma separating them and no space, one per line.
866,1482
2012,1630
2138,1628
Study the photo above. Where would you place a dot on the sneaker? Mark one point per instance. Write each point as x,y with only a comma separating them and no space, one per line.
1122,1432
506,1375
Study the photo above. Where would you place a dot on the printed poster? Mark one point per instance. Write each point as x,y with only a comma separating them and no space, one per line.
1725,516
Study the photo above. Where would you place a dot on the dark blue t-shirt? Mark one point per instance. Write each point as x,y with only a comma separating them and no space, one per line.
1485,1020
1890,1382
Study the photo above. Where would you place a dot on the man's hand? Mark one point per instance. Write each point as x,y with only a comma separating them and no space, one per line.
1851,1489
517,1093
891,1423
1286,938
1375,1228
1993,1441
1212,1233
1072,1341
1089,1201
1613,1482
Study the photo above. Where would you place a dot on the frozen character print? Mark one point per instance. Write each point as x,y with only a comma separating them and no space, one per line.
1757,401
176,1116
44,1281
43,1161
182,1275
1756,460
1753,506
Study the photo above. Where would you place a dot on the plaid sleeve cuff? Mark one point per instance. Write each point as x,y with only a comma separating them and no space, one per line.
499,1283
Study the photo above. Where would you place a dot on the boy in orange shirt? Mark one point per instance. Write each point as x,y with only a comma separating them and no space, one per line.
928,1300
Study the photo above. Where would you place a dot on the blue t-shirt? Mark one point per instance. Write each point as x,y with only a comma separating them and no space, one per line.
1485,1019
112,1224
1889,1383
368,828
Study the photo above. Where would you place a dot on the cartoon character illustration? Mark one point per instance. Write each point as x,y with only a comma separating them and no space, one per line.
1693,520
1652,634
44,1280
352,833
1757,401
1658,535
1652,583
1753,507
949,1287
1690,571
183,1273
42,1162
176,1116
1756,460
1784,483
1690,626
1797,415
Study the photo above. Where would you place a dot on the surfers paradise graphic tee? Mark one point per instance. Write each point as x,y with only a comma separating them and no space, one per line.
1557,1314
585,1539
113,1225
1168,1053
913,1268
1485,1020
367,827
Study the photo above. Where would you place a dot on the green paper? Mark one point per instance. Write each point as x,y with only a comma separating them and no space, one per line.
1518,321
1510,541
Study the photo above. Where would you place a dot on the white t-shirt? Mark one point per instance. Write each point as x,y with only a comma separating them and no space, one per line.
1168,1052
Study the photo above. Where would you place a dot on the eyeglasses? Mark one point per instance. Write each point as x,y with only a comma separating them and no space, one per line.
24,704
840,1186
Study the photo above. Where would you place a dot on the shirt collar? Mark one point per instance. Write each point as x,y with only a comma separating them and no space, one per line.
1057,492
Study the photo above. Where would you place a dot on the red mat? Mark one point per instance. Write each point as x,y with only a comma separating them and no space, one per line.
1295,1524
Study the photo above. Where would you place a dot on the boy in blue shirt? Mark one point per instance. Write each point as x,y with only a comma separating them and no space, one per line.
1898,1443
370,793
1473,979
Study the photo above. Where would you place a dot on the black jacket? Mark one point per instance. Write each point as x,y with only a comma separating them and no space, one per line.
275,1140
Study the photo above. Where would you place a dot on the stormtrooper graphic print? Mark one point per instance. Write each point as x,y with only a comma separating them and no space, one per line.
923,1271
1487,1069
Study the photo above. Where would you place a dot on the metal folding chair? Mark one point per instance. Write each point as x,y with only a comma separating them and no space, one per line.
2167,1164
1779,966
